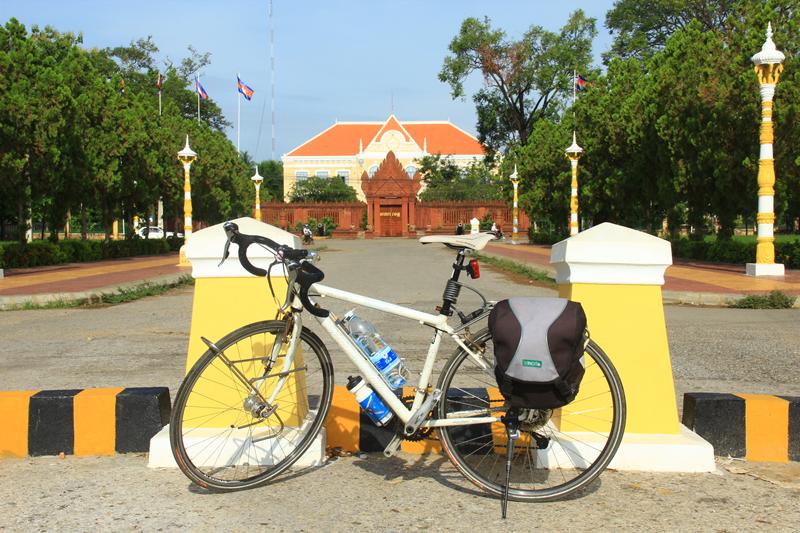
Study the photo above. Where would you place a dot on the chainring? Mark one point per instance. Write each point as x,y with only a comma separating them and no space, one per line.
422,433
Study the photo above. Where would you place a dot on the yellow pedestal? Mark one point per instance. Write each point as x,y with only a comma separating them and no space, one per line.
226,298
616,273
627,321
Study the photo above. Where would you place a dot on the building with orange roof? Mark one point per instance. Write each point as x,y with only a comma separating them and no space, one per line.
348,150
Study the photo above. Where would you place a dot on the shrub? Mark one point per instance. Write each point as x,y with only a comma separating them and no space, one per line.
327,225
545,237
734,251
41,253
773,300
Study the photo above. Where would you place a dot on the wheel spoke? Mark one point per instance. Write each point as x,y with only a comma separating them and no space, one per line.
217,430
559,457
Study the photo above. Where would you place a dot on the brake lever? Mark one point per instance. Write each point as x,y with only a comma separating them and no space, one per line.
226,251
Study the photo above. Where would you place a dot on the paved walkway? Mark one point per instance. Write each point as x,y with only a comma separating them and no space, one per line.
686,282
691,282
80,280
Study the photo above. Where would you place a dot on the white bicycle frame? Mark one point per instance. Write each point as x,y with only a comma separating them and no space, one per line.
370,373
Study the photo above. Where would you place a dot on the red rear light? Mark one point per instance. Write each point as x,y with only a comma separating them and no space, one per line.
473,269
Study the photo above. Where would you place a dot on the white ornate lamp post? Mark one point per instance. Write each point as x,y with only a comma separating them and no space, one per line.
186,156
768,66
573,154
257,179
515,231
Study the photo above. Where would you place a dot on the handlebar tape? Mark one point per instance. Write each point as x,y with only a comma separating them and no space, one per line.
307,275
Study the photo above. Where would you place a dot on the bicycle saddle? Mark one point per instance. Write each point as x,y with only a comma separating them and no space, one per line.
473,242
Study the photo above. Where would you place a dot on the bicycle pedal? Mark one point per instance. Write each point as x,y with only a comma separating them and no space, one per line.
393,445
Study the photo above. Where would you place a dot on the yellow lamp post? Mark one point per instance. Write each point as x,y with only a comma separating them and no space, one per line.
186,156
768,66
257,179
515,231
573,154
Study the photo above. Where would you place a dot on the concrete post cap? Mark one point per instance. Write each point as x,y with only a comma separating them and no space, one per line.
611,254
204,250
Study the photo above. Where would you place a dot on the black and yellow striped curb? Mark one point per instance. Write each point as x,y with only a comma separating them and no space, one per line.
757,427
81,421
350,429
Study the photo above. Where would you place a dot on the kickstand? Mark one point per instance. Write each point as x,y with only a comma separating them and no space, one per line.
512,432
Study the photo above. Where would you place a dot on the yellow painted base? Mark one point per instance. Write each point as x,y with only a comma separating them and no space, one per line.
627,321
220,306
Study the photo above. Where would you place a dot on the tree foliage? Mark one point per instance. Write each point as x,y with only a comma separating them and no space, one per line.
642,27
525,80
316,189
446,181
671,129
80,131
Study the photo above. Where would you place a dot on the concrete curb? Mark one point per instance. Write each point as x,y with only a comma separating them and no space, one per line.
13,302
757,427
81,421
350,429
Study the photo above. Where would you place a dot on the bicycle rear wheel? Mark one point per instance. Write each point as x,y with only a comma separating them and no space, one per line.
234,424
559,451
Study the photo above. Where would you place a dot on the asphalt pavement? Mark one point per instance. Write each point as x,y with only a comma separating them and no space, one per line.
143,343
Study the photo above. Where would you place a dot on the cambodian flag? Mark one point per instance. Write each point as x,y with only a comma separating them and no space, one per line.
244,89
202,92
581,83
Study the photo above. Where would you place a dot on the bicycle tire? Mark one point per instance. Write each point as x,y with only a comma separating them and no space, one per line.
479,453
215,439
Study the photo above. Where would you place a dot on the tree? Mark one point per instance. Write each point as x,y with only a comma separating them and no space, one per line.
642,27
314,189
446,181
525,80
272,171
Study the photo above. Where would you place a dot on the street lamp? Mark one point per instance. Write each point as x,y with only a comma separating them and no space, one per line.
186,156
515,231
573,152
768,66
257,179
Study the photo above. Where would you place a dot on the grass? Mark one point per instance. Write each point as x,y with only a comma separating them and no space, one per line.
780,237
773,300
123,295
517,268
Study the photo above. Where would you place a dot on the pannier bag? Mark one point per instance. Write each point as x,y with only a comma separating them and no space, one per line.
538,350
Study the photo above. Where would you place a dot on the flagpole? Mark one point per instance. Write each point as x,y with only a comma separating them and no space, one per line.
574,88
238,112
197,90
159,102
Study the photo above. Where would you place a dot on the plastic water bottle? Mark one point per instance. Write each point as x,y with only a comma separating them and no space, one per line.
381,355
369,401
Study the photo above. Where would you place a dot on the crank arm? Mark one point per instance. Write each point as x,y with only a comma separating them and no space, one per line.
422,413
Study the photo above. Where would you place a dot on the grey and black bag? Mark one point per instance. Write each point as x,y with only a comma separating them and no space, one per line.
538,349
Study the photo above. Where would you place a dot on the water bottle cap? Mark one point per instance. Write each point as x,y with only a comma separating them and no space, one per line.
353,382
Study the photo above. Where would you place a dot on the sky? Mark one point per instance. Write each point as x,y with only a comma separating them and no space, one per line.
356,60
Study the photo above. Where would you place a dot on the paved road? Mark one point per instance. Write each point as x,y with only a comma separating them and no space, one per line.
144,343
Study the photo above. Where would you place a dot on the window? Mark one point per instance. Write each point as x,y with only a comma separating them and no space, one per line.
322,173
372,170
344,175
411,170
300,175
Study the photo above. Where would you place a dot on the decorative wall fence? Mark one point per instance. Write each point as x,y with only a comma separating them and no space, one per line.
429,217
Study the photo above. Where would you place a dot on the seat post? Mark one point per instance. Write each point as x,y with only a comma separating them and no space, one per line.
452,289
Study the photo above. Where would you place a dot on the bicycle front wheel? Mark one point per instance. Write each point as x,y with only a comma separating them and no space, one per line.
559,451
244,415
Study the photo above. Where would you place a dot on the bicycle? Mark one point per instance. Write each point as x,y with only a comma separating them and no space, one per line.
276,378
